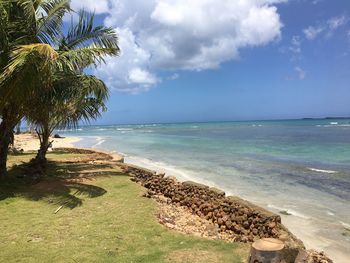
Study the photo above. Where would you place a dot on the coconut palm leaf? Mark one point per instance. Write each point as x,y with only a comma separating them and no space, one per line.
84,34
30,64
4,21
78,59
50,15
71,96
81,85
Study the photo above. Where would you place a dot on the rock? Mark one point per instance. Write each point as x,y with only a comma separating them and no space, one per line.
229,224
246,224
272,225
194,184
220,222
172,178
257,209
217,191
311,256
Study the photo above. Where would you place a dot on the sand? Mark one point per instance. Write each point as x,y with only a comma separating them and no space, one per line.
30,142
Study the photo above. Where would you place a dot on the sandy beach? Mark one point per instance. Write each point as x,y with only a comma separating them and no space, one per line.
30,142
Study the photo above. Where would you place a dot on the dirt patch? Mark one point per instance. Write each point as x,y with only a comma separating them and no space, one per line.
49,186
193,256
183,220
93,155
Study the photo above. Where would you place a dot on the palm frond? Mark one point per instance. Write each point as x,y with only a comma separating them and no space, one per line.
81,85
29,69
84,34
28,7
50,15
73,98
25,53
78,59
18,20
4,24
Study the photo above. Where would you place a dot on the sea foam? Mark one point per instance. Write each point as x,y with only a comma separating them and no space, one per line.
322,171
99,142
289,211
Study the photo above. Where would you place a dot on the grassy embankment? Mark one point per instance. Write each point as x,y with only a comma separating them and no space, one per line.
104,219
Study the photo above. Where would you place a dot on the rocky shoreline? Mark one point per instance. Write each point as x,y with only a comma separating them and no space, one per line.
190,207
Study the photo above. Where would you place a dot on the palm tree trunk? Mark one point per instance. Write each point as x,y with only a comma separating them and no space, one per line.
41,155
5,140
44,146
6,136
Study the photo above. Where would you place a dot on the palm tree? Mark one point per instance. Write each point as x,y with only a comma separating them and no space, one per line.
31,63
27,27
74,95
74,98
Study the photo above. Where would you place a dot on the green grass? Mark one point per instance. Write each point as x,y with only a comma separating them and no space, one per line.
103,219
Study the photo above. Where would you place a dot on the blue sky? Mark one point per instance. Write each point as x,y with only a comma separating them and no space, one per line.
226,60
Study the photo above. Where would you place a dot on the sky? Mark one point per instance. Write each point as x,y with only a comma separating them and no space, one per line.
209,60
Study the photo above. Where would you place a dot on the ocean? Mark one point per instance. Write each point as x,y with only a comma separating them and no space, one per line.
298,168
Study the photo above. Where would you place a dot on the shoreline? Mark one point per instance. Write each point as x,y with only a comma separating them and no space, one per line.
299,224
231,218
30,142
69,142
295,222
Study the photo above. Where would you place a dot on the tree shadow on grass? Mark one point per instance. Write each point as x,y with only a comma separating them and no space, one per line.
30,153
66,184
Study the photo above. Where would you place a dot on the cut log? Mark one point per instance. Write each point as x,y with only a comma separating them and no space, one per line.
267,250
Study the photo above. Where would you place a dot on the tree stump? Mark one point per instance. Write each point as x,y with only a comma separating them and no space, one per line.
267,250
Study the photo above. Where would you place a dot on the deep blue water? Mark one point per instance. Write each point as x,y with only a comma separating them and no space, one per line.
302,166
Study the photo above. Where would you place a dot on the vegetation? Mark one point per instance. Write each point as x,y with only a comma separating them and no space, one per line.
41,69
104,219
74,95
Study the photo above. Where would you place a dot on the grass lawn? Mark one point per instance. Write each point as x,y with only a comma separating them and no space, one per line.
104,219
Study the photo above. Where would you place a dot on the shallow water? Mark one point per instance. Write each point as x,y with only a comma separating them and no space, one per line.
301,167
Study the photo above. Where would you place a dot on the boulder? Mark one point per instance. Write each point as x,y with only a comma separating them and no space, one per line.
217,191
195,185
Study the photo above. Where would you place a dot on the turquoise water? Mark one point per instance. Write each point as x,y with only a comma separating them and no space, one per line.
300,166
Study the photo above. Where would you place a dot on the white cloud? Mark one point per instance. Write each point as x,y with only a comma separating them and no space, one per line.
140,76
98,7
327,27
300,72
173,77
129,72
181,35
312,32
335,22
295,46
